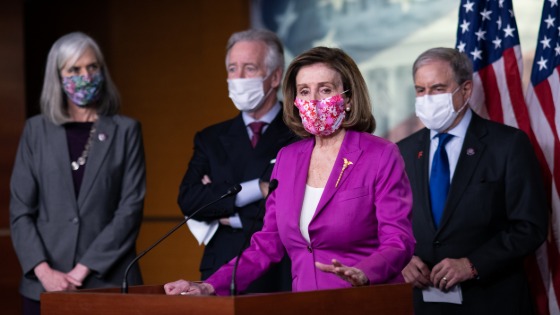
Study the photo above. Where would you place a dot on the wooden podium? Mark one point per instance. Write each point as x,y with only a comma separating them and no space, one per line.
394,299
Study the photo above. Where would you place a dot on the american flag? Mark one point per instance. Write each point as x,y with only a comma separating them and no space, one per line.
543,101
487,32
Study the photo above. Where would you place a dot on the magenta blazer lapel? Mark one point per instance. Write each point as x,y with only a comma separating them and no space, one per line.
349,150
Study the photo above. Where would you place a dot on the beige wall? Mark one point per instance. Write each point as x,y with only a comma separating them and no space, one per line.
167,59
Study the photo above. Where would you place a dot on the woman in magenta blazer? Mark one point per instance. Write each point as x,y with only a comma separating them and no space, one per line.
342,209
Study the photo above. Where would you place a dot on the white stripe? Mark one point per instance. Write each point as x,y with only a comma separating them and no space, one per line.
552,302
519,58
503,90
477,98
546,277
541,128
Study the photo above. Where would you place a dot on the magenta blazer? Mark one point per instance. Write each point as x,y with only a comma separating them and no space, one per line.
364,221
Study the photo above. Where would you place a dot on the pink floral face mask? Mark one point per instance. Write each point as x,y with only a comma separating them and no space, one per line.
321,117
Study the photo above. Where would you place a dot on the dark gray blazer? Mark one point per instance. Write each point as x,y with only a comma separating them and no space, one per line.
495,215
100,228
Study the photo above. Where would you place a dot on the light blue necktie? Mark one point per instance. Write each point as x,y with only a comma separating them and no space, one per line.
440,178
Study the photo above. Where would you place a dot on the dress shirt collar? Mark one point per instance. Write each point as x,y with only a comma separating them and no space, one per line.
267,118
460,130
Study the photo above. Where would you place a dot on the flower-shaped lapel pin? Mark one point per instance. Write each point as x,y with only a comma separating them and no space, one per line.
346,164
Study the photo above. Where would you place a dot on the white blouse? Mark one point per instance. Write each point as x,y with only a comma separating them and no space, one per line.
310,201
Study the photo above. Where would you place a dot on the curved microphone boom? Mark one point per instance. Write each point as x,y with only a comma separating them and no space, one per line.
271,187
232,191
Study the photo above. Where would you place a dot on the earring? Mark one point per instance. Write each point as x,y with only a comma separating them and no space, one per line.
347,108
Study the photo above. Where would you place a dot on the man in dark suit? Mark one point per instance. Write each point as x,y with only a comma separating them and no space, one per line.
479,206
240,150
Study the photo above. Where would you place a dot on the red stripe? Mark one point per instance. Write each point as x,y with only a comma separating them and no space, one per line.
553,261
538,290
491,94
545,97
516,96
544,94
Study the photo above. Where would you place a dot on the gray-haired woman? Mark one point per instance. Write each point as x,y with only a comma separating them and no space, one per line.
78,183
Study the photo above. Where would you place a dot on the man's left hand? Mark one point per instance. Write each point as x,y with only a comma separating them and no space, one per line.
450,272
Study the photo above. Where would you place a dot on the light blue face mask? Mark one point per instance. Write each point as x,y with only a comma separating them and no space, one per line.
83,89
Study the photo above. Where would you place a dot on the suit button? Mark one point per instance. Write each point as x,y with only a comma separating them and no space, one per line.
75,220
437,244
309,248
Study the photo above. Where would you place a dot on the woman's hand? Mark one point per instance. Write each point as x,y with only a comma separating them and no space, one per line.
54,280
182,287
355,276
79,273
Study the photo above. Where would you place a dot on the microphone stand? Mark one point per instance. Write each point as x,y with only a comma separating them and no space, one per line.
231,192
232,288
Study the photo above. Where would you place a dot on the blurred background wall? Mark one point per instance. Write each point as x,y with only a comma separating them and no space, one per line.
168,61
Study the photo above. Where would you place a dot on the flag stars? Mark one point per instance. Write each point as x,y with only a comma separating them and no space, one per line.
557,49
486,14
553,3
549,22
477,54
545,42
508,31
499,22
465,26
461,47
542,63
497,43
468,6
480,34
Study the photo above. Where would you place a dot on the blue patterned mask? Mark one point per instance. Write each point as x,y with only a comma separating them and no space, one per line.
83,89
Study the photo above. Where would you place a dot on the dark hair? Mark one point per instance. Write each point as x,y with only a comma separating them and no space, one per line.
360,118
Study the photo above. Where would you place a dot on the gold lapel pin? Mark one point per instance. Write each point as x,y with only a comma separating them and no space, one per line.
346,163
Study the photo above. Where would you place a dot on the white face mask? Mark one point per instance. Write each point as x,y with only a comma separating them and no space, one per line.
436,111
247,93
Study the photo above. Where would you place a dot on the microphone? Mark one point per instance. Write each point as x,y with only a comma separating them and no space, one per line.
232,288
232,191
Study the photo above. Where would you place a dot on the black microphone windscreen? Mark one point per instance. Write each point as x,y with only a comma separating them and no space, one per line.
272,185
234,190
